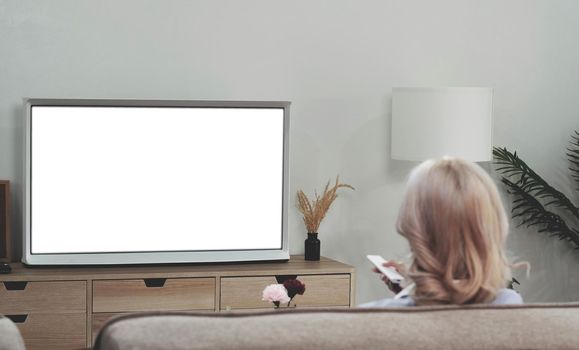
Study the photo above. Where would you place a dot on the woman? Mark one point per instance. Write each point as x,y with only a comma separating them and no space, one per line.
456,226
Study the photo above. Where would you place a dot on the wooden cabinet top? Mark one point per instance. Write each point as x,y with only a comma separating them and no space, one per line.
295,266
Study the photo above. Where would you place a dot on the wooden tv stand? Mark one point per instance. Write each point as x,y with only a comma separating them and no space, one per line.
64,307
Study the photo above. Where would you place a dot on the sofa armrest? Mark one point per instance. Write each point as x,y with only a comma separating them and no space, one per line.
10,338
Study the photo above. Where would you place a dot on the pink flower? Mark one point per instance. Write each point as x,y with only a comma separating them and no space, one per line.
276,293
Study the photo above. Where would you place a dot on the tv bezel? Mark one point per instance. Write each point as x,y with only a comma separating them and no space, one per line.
164,257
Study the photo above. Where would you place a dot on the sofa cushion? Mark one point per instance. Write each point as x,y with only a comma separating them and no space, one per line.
553,326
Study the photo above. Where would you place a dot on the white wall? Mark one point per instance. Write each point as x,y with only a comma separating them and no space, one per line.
337,62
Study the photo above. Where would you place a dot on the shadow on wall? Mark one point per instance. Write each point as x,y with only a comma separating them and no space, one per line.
365,222
554,276
17,189
304,154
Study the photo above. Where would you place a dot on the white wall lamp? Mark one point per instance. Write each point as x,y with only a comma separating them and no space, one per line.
435,122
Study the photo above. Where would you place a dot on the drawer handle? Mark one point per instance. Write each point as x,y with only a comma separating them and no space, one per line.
15,285
282,278
155,282
17,318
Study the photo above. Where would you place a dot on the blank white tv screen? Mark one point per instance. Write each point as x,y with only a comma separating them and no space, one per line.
155,179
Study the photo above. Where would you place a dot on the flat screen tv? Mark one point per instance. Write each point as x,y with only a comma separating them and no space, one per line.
137,182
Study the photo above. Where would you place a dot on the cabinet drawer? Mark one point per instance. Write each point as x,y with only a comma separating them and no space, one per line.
154,294
321,291
42,297
52,331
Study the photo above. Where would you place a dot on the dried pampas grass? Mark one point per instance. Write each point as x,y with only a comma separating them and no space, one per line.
315,211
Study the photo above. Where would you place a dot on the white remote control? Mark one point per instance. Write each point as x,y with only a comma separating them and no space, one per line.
389,272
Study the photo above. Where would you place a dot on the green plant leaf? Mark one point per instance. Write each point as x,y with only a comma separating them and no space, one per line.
573,156
530,183
533,213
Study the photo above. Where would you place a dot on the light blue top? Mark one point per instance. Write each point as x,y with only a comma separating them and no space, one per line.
504,296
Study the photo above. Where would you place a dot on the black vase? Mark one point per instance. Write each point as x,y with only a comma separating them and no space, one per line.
312,247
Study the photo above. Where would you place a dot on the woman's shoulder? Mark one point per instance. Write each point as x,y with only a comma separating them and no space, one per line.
507,296
504,296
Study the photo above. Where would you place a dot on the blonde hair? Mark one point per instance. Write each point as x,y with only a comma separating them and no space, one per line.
456,225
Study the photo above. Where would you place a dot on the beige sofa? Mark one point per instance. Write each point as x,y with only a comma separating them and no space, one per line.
534,326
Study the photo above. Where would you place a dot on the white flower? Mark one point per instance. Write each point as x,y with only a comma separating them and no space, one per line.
275,293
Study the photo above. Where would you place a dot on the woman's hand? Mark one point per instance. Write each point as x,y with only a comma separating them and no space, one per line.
395,288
